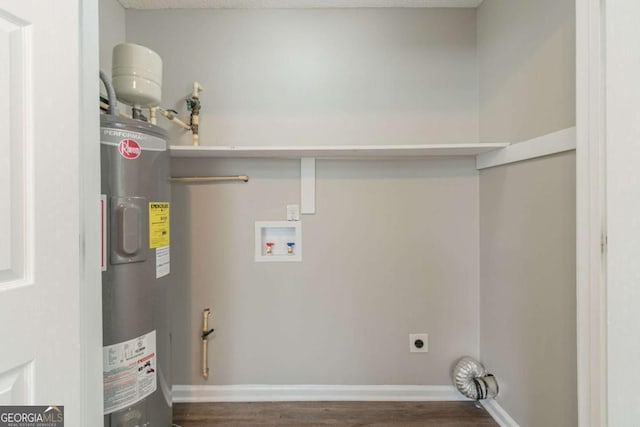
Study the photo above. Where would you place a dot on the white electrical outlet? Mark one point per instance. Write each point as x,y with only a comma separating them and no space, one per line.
293,212
419,343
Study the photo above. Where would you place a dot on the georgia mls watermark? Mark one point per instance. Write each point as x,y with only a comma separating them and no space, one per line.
31,416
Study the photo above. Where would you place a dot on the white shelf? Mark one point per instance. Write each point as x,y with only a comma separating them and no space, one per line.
334,152
545,145
292,4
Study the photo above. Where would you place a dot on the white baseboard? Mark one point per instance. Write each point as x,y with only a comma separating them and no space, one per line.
553,143
300,393
498,413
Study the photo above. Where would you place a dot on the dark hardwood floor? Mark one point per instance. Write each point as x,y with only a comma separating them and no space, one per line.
449,414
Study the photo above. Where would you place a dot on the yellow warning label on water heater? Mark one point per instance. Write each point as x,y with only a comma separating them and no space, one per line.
158,224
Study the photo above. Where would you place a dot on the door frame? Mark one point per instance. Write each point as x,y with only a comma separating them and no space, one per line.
591,235
90,292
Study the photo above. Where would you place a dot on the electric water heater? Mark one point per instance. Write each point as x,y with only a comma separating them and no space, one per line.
135,279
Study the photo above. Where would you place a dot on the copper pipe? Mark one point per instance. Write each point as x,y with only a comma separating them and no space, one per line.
205,334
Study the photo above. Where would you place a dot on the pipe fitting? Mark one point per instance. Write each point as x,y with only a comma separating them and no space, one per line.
193,105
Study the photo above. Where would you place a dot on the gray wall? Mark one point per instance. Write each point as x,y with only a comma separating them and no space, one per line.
383,256
526,63
112,30
528,298
308,77
527,214
392,249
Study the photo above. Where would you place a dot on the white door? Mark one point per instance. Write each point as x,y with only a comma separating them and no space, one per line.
45,352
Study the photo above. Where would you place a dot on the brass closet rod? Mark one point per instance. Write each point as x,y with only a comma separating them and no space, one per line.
196,179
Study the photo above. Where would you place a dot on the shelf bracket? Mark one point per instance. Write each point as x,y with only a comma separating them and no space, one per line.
308,185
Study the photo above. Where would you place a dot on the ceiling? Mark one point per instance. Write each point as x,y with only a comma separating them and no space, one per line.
291,4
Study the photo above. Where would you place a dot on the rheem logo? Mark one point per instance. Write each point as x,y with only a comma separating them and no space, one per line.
129,149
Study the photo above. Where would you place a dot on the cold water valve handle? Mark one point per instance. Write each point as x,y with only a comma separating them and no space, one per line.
290,246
